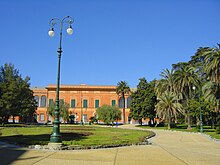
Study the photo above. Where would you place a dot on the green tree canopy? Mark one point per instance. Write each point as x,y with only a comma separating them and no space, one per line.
108,114
143,101
166,83
168,107
16,98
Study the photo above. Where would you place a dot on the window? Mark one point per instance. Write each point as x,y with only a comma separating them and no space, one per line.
43,101
37,100
85,119
128,102
121,103
73,103
85,103
113,103
41,117
51,102
96,103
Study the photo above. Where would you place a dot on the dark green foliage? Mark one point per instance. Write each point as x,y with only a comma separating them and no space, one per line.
143,101
108,114
201,73
198,61
168,107
16,98
93,119
195,106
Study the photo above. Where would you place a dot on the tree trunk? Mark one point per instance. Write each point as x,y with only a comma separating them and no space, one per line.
188,120
5,120
140,121
188,116
212,120
168,125
20,119
123,96
169,120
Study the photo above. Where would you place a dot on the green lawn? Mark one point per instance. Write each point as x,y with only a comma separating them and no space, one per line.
206,129
72,135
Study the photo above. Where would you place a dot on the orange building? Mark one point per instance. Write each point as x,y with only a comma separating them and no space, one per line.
83,100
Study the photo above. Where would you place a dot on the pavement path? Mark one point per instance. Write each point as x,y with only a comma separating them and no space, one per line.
168,148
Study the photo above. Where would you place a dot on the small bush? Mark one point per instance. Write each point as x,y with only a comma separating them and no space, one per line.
93,119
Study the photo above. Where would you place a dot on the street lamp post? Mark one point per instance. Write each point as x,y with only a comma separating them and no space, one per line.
56,136
200,112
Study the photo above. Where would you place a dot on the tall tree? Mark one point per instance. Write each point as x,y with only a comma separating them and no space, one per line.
211,92
26,103
9,91
186,78
212,64
16,98
212,70
199,103
198,61
122,89
168,107
143,101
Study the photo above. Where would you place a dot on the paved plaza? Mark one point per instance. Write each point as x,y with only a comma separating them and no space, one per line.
168,148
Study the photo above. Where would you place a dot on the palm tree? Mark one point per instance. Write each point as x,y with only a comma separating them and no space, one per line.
168,107
166,83
212,64
211,92
212,68
185,79
122,89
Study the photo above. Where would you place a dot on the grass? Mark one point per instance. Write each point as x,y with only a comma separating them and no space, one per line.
72,135
206,129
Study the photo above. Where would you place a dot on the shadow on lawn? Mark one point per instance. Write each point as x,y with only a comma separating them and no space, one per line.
42,139
9,155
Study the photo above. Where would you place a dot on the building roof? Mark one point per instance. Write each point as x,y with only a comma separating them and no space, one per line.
79,87
82,87
38,88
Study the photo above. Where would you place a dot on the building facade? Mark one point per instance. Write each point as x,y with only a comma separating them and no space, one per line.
83,100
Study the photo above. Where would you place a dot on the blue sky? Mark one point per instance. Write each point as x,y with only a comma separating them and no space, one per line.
113,40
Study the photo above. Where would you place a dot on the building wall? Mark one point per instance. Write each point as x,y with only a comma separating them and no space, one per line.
79,93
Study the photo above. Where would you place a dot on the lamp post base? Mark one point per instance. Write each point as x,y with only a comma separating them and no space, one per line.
55,139
56,136
55,146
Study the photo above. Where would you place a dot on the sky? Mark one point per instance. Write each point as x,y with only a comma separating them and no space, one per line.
113,40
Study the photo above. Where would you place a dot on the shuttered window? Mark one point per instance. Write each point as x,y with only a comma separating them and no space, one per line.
85,103
73,103
96,103
113,103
